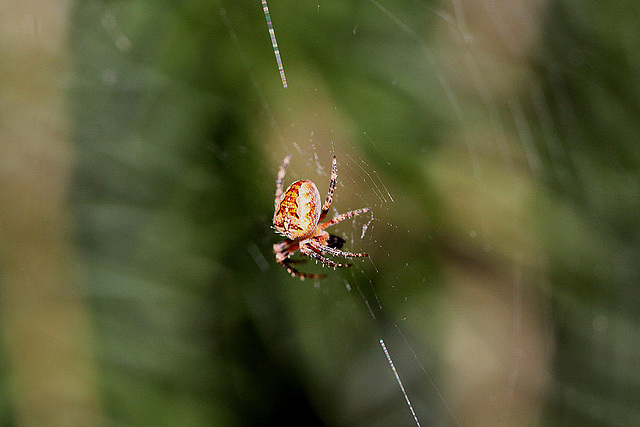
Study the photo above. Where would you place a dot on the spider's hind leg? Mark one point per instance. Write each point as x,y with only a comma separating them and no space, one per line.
295,273
331,244
337,252
283,252
313,250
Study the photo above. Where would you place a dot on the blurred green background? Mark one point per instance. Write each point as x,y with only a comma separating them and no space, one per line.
496,143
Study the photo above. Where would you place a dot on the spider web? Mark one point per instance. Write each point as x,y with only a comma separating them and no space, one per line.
389,288
501,143
501,231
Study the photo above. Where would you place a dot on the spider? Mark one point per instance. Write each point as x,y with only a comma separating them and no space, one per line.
298,216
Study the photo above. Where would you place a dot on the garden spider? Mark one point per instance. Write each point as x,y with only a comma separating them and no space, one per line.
297,217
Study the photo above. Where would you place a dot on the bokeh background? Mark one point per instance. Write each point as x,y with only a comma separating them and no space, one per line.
496,143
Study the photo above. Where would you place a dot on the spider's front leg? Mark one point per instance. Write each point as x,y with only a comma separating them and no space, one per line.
343,216
280,179
332,187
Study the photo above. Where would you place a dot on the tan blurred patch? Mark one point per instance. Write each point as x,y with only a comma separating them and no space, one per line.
45,326
497,350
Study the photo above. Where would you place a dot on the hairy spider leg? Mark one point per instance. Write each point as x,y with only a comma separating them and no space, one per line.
342,217
310,250
323,242
283,251
332,187
281,172
337,252
295,273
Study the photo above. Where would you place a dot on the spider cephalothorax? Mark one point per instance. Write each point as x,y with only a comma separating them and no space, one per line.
298,217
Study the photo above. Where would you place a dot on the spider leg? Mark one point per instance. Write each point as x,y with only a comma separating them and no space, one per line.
280,178
343,254
283,251
332,187
295,273
324,244
342,217
312,250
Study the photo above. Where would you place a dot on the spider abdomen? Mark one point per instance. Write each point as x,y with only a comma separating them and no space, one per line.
298,211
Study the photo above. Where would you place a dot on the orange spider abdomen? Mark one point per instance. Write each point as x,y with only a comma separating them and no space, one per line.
298,211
